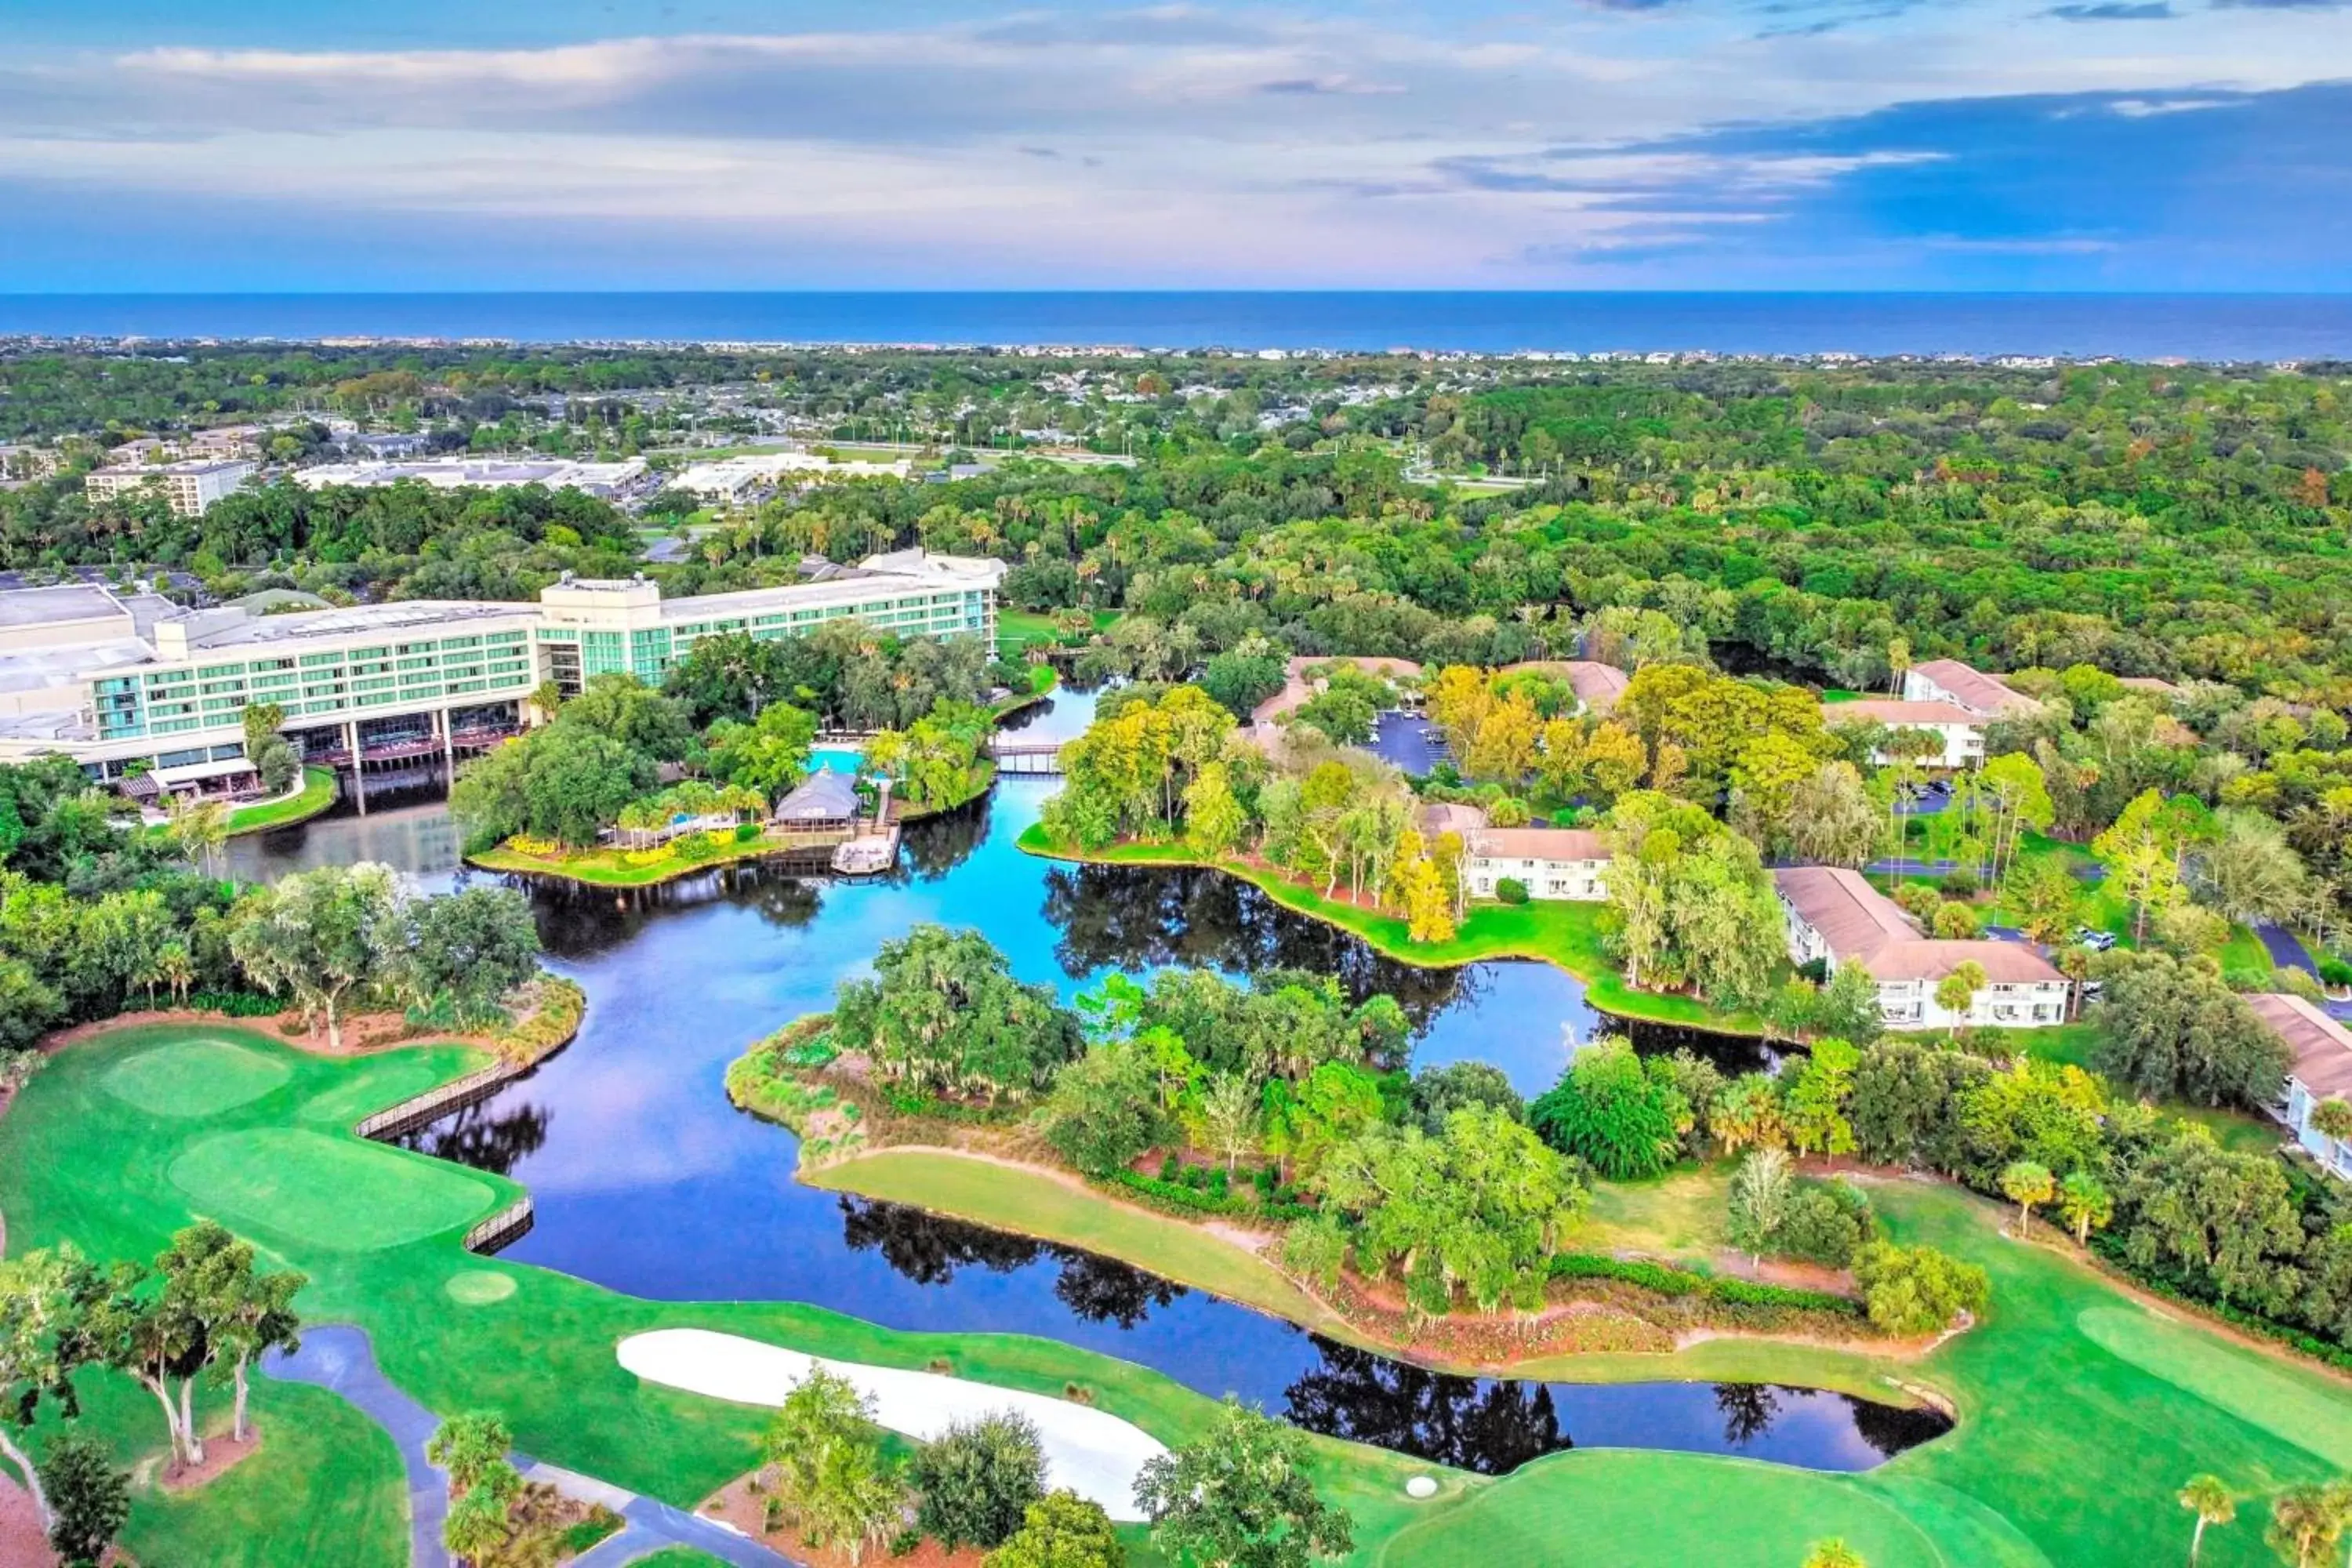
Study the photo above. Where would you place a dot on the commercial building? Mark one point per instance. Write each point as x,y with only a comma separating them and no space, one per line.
730,481
2321,1070
607,480
191,487
1836,918
131,684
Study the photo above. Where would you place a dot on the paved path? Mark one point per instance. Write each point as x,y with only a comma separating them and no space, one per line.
339,1357
2285,951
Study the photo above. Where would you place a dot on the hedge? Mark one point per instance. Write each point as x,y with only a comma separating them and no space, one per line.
1178,1198
1667,1280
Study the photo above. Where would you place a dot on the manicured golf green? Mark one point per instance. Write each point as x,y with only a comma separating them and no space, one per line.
193,1078
316,1189
2081,1412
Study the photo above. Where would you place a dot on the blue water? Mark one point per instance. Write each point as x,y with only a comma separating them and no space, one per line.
2134,326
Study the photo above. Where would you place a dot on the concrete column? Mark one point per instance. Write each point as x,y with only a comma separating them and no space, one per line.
448,752
359,779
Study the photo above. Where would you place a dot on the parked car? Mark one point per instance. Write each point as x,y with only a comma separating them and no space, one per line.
2096,940
2092,990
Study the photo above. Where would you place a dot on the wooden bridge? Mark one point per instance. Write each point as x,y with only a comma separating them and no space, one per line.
1025,757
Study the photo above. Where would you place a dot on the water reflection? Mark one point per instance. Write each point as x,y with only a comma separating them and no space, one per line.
646,1180
486,1138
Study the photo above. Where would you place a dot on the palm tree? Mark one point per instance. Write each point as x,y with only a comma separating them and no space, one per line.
2305,1524
2205,1497
2085,1203
1833,1553
2332,1119
176,970
197,829
2025,1184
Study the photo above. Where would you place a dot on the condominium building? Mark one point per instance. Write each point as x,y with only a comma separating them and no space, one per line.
190,488
734,480
116,682
1835,918
1958,733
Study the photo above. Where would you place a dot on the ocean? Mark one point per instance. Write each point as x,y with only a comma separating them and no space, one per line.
2211,327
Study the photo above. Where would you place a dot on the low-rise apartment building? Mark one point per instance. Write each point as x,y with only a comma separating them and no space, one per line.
1958,733
2321,1070
1552,863
191,488
1964,686
1836,918
605,480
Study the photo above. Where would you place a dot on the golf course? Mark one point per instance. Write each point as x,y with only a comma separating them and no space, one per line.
2081,1410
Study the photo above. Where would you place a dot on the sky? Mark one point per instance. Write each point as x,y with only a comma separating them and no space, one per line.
1818,144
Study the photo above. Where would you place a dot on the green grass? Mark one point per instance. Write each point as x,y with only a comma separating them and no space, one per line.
312,1188
317,794
1678,1215
612,868
1017,629
193,1078
678,1557
1564,933
1036,1205
2082,1412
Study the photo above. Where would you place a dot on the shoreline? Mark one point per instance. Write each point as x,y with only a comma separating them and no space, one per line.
1605,991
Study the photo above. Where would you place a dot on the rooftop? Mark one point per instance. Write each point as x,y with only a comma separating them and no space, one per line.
1896,711
1975,688
1862,925
2322,1046
48,607
1539,844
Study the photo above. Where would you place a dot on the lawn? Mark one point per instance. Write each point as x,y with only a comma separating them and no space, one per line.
2082,1412
612,868
1560,932
1017,629
195,1076
317,794
1036,1204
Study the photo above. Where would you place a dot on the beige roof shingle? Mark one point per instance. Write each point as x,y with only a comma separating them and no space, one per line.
1975,688
2322,1046
1539,844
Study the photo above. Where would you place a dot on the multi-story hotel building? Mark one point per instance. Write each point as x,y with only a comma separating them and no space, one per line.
191,487
116,680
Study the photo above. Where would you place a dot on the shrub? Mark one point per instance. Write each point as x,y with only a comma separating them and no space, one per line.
2335,972
1917,1289
747,831
1511,890
977,1479
1611,1108
1827,1222
1959,883
238,1004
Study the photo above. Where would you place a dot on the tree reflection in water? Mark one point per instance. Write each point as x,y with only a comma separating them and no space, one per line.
1891,1429
1472,1424
928,1249
1748,1411
476,1137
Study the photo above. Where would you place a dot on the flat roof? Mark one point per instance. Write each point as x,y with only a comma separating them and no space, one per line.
356,620
66,602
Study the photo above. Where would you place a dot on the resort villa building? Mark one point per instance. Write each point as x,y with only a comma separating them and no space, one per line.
1836,918
1959,733
2321,1070
1948,681
143,692
1549,862
1943,698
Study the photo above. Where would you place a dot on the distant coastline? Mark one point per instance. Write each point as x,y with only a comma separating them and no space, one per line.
2225,328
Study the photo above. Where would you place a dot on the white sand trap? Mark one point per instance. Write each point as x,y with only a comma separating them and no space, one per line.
1092,1452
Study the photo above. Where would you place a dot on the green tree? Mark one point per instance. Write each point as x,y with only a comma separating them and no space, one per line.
2306,1525
2209,1497
470,1447
1956,992
476,944
1813,1104
324,936
1240,1496
1061,1530
944,1014
45,1298
2085,1204
1610,1109
2025,1183
976,1481
2171,1029
2142,855
89,1498
1916,1290
1831,819
771,753
2039,896
1760,1192
831,1479
1229,1117
1215,819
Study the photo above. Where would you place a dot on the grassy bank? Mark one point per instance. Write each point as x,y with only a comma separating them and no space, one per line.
317,794
1559,932
614,869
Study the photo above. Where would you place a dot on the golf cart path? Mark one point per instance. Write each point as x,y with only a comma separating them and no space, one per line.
338,1358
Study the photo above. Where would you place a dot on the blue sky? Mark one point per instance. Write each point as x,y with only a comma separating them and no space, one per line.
2093,145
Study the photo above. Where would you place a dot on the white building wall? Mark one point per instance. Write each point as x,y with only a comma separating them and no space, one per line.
1580,881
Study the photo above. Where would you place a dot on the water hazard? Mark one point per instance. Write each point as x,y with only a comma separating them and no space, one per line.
647,1181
